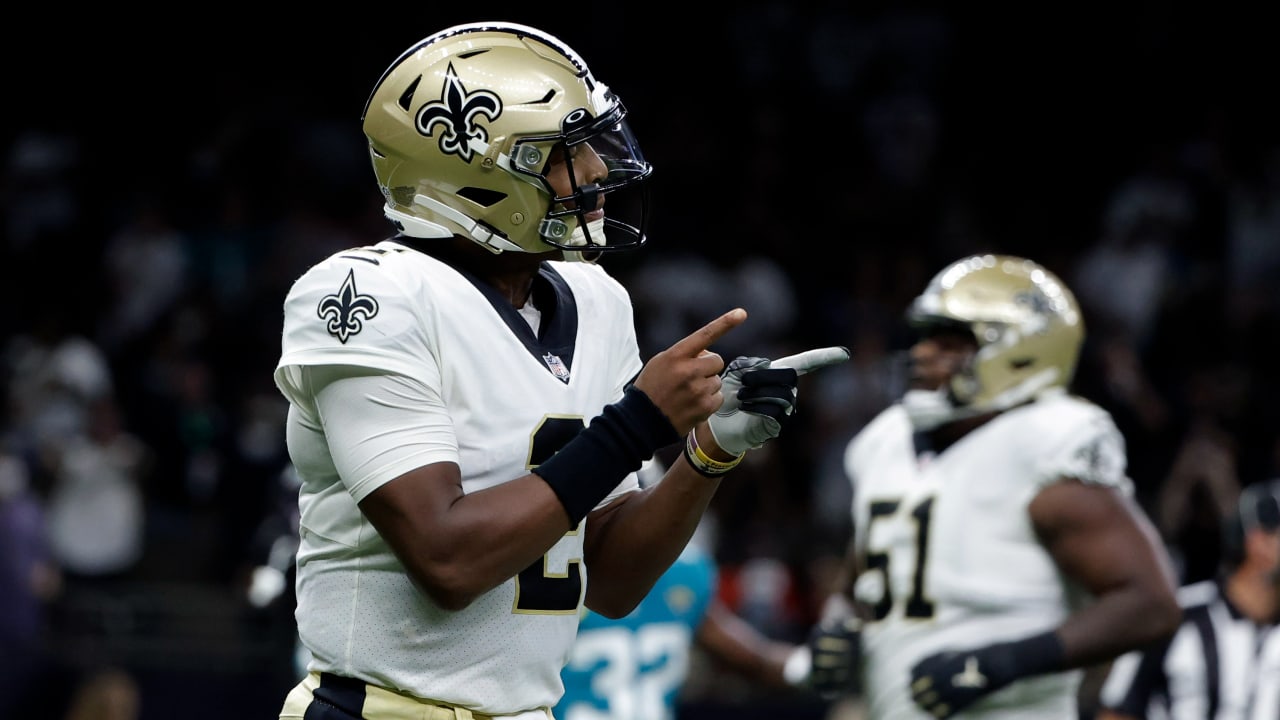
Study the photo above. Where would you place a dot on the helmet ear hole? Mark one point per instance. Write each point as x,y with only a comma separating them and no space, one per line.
483,197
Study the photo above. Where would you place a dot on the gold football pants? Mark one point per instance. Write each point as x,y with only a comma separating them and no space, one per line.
331,697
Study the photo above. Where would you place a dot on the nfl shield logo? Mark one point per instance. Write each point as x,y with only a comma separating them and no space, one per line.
557,366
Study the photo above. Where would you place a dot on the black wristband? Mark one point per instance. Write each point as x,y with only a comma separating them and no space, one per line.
617,442
1036,655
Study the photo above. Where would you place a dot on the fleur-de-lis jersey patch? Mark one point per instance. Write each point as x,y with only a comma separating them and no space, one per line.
456,111
346,312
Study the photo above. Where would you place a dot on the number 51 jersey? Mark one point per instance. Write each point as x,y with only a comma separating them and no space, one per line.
947,554
504,399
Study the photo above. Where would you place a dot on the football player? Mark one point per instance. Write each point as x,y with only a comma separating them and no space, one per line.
997,549
468,407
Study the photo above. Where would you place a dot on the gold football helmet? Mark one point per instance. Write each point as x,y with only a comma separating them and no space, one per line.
461,128
1026,322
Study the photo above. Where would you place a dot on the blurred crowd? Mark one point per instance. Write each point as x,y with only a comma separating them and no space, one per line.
814,165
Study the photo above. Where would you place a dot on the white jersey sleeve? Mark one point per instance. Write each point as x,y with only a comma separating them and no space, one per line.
379,427
363,307
1078,440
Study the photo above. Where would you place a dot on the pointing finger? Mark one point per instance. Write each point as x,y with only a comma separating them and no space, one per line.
699,340
812,359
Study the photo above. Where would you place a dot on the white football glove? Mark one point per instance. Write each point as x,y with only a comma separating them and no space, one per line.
759,394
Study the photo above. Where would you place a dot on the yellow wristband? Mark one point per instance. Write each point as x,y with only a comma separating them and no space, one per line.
703,463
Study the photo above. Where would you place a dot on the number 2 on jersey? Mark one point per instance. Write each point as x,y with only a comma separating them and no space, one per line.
539,588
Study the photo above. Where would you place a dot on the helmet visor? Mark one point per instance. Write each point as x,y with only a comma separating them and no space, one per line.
609,141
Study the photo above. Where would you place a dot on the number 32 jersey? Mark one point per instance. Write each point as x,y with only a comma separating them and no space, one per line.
502,399
635,666
947,553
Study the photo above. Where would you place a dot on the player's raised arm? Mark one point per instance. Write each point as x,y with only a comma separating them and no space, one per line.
753,400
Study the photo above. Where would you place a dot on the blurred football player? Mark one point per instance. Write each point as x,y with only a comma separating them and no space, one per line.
468,405
1224,662
997,549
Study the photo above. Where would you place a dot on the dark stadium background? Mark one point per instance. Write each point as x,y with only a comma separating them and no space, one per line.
765,123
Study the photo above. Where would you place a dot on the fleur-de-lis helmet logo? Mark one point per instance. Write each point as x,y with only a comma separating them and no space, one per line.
456,112
346,312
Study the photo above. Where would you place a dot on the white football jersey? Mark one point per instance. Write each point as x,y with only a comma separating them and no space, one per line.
512,398
948,555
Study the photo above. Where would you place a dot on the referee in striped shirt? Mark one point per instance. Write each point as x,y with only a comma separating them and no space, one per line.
1224,661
